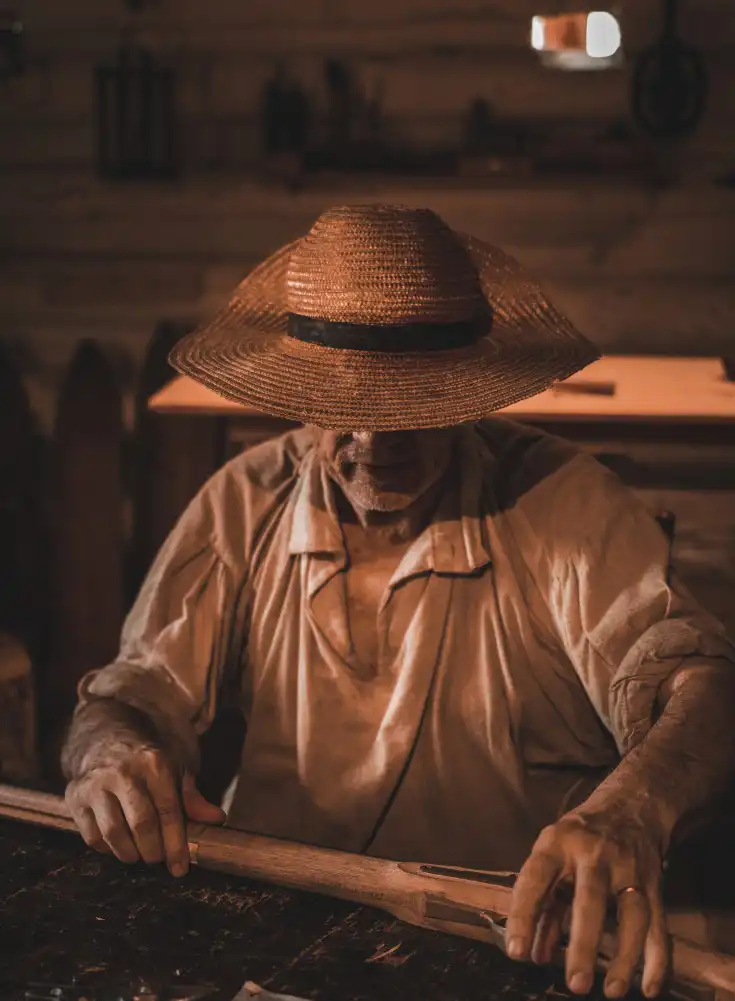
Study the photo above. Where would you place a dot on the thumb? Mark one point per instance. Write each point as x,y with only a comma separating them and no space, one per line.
196,807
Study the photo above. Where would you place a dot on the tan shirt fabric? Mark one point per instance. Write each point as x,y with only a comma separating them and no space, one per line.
523,641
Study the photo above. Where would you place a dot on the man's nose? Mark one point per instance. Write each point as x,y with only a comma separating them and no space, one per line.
373,439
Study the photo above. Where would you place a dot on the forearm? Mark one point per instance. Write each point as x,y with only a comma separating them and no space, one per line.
99,729
686,761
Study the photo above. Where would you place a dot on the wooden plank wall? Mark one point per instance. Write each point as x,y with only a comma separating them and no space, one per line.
639,267
428,60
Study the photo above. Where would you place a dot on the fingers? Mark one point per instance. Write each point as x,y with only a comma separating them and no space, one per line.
87,824
532,888
165,795
633,922
597,855
133,809
117,817
114,828
588,917
142,820
549,931
657,949
197,807
83,815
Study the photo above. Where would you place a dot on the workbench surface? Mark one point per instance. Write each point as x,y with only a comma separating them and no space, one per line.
68,912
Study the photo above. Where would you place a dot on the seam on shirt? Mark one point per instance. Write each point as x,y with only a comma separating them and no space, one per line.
590,642
555,579
217,656
627,722
580,462
529,576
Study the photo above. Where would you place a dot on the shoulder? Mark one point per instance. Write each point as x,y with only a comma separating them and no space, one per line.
267,466
528,463
515,446
561,492
242,496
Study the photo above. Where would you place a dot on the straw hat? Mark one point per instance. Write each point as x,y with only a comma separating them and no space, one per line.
383,318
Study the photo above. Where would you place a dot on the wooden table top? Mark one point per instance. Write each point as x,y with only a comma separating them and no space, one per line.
644,388
69,913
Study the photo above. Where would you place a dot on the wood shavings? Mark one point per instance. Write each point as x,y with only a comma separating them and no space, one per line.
389,955
252,990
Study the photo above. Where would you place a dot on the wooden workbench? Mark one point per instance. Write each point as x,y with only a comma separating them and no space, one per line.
670,390
67,912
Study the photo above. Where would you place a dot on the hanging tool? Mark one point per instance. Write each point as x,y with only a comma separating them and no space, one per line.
669,83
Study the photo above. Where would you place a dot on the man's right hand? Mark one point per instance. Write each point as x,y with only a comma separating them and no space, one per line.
132,804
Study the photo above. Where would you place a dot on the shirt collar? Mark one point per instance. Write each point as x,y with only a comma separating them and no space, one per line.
452,543
315,524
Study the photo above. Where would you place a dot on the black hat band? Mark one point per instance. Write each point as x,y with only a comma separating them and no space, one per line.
393,339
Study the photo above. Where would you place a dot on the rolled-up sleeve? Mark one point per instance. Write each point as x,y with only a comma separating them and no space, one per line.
624,622
174,644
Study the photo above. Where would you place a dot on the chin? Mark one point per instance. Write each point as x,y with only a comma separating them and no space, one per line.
382,501
388,504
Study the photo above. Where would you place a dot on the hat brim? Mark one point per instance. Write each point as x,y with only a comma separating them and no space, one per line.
244,354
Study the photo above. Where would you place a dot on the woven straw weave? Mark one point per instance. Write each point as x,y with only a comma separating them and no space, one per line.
384,265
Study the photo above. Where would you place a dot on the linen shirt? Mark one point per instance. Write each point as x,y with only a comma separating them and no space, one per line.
523,640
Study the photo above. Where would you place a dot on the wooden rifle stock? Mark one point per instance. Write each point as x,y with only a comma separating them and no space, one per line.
397,887
443,898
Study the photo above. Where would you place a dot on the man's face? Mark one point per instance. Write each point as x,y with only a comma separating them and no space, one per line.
386,470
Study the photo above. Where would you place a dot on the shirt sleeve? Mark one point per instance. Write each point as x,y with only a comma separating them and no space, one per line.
624,622
175,640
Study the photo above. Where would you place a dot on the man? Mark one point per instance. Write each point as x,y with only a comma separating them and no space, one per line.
453,638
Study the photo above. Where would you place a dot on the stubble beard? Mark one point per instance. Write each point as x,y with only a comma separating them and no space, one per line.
370,497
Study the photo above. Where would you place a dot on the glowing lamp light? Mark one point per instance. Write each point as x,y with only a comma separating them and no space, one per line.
603,35
583,40
538,33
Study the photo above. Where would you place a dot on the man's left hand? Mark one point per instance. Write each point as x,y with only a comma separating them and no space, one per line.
598,858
